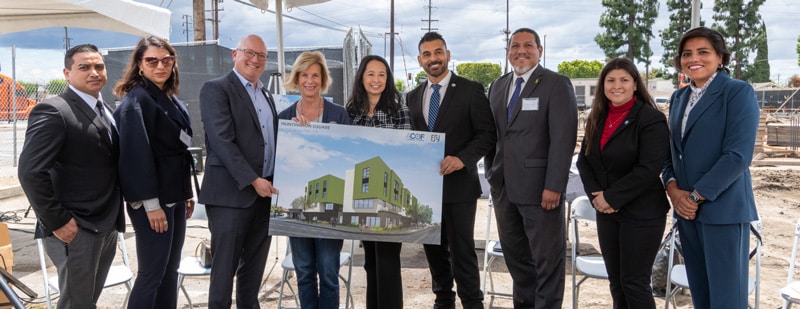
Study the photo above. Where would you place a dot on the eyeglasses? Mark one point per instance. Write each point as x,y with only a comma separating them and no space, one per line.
153,61
251,53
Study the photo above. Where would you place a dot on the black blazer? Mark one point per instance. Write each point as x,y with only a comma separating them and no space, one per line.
466,119
628,168
68,167
153,161
234,143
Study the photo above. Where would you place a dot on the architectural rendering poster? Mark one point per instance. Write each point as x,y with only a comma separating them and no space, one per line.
352,182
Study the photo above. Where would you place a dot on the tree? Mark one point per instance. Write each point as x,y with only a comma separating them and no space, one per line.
680,21
483,73
421,76
581,68
798,50
30,88
628,29
740,23
400,85
659,73
794,81
301,202
56,86
758,72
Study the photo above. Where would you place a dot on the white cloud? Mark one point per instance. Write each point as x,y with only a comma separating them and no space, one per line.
305,155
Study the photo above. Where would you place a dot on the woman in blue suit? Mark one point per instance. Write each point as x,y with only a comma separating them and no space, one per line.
713,124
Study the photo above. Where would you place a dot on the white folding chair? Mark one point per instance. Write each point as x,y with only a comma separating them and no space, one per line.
190,267
118,274
492,251
791,292
345,259
678,278
588,266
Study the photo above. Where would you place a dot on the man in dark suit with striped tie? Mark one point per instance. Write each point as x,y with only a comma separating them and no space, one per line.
457,107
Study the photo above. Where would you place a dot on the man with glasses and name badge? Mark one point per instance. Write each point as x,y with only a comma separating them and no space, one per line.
240,122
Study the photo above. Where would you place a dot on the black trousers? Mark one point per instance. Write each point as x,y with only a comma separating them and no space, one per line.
158,256
239,246
384,282
455,259
629,247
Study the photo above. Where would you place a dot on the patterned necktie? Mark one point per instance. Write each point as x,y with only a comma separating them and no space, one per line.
433,108
514,98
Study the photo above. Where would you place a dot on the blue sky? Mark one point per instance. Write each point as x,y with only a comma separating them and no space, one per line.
473,30
309,152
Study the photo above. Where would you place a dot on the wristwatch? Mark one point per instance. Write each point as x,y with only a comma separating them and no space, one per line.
694,198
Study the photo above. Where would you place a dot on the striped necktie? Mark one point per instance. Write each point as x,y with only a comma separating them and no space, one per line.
433,107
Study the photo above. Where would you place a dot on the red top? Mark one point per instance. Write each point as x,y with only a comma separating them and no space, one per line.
616,116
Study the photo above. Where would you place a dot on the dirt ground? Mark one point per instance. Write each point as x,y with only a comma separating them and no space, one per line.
777,192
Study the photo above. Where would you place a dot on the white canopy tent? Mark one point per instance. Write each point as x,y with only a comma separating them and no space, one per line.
126,16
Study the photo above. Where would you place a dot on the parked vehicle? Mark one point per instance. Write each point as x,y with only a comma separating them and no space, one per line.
10,99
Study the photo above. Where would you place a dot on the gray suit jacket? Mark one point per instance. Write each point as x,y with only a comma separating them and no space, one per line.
234,143
534,149
68,167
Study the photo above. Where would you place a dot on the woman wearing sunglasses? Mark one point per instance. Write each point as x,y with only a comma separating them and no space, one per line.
154,169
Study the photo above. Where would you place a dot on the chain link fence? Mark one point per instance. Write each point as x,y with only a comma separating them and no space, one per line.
17,98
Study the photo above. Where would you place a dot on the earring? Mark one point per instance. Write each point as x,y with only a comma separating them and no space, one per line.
141,73
720,66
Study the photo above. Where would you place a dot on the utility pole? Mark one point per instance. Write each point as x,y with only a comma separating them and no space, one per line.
215,19
507,32
66,39
199,11
391,39
186,26
429,20
696,4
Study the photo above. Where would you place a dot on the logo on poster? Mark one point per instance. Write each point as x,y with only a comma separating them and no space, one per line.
419,137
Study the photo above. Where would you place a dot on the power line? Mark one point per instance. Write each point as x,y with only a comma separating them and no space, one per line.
295,18
321,17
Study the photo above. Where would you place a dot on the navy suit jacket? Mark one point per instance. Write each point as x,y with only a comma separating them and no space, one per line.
534,149
465,118
153,161
68,167
234,143
713,157
332,113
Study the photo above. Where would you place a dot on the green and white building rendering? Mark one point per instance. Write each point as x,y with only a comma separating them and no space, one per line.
371,195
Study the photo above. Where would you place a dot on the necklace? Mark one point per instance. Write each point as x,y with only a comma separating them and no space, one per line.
618,118
300,109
